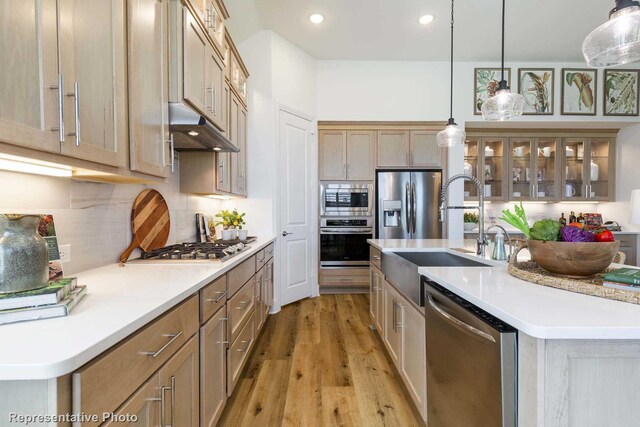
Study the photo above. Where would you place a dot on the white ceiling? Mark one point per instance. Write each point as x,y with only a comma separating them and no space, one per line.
537,30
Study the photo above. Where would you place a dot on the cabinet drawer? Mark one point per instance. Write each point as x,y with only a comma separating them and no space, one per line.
240,307
106,382
241,274
268,251
238,353
347,277
375,257
260,259
626,241
212,298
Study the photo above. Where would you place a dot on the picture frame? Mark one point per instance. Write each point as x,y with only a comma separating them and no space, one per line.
537,85
485,83
621,93
579,92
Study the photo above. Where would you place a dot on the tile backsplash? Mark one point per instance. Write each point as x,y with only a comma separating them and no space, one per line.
95,218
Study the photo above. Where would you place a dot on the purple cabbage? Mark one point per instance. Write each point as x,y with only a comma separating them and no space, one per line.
575,234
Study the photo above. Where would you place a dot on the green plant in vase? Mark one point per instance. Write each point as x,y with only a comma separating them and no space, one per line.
471,220
232,223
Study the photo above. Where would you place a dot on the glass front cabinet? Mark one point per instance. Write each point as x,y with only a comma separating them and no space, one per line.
541,168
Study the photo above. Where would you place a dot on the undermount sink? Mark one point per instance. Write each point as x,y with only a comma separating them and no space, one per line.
438,259
401,269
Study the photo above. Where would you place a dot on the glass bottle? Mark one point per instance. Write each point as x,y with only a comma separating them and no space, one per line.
562,219
572,217
581,218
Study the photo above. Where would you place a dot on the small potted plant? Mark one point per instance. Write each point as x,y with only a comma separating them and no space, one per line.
470,221
231,222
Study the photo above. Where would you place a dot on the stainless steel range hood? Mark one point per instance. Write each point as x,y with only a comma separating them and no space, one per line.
193,132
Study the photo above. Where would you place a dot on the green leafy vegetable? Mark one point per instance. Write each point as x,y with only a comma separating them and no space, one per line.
471,217
517,219
546,229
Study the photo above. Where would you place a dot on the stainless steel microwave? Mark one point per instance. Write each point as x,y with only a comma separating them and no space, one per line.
346,199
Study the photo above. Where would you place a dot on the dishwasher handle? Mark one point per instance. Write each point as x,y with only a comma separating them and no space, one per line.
459,324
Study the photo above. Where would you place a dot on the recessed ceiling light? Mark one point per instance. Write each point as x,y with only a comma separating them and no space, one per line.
316,18
426,19
217,149
193,133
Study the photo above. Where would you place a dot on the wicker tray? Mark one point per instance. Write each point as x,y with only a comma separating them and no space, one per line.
531,272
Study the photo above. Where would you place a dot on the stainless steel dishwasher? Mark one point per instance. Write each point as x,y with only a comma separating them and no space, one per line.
471,363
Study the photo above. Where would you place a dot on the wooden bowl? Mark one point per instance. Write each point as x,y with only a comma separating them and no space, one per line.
573,259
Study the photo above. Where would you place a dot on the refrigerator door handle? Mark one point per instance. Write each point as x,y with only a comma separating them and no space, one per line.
407,210
414,205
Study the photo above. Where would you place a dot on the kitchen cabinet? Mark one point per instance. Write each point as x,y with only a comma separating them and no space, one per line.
270,283
215,88
213,368
238,353
629,246
485,159
393,148
30,113
376,299
260,300
238,135
409,149
392,322
239,77
210,13
179,380
413,355
93,60
424,151
588,169
223,160
142,409
347,155
534,165
148,86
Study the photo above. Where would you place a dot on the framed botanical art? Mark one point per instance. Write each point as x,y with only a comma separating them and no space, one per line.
485,85
621,92
536,85
579,90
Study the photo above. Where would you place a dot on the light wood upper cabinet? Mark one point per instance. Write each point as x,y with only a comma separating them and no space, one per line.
93,63
393,148
413,356
195,52
213,366
424,150
361,155
179,381
238,135
144,406
148,86
333,155
29,110
212,19
215,89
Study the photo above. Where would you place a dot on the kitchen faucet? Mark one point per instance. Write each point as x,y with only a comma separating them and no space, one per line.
481,242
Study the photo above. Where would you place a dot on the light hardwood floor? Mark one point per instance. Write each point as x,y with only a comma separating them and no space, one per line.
317,363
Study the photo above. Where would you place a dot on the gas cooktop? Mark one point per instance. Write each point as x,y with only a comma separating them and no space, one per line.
208,251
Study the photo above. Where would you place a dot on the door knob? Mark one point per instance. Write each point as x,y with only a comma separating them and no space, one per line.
285,234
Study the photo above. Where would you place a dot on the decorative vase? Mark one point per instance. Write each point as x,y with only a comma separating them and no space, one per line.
226,234
243,234
24,257
234,233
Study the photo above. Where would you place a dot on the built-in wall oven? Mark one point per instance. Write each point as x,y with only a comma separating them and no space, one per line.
343,242
346,199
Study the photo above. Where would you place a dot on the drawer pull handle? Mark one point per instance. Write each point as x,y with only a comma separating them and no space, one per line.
222,295
246,347
376,257
261,259
346,279
155,354
244,306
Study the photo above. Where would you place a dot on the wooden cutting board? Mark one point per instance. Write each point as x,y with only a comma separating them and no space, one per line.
150,223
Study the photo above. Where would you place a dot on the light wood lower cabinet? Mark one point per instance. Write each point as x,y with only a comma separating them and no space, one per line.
213,369
238,353
376,299
392,332
260,300
142,409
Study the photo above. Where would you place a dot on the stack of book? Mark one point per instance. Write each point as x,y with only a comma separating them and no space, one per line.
55,300
627,279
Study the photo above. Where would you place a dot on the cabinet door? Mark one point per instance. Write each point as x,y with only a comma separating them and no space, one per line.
361,155
380,304
413,365
333,155
195,49
424,150
391,324
600,168
223,160
213,368
259,293
242,155
393,148
574,181
215,24
270,283
148,86
523,167
373,294
471,167
234,136
493,152
29,111
215,88
93,63
547,169
143,407
179,381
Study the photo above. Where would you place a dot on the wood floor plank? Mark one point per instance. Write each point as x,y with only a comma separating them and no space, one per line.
340,407
266,406
309,322
334,360
359,339
304,383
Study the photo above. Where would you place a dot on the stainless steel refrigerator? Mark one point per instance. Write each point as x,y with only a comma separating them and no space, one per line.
407,205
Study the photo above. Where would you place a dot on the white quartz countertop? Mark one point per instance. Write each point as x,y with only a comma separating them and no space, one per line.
119,301
538,311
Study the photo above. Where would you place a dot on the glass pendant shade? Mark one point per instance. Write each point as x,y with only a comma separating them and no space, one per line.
504,105
616,42
451,136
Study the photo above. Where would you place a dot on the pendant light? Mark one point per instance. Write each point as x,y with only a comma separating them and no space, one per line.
504,105
617,41
452,135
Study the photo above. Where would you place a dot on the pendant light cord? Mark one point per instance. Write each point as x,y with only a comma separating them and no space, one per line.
503,7
451,69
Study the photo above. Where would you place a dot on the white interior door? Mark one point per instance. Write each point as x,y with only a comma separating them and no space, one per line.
296,201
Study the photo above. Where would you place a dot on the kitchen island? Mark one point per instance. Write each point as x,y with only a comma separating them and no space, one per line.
578,357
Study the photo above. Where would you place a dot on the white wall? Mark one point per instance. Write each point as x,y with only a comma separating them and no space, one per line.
95,219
